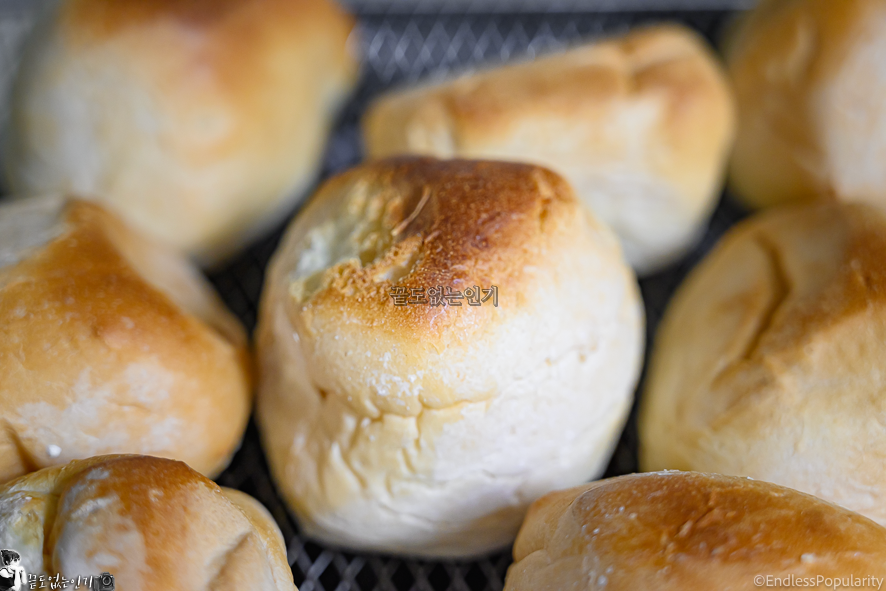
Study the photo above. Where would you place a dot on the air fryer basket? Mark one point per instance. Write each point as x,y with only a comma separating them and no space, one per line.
400,47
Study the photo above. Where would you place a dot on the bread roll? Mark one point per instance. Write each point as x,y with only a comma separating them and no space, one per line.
110,343
769,360
199,121
428,430
809,77
151,523
684,531
640,125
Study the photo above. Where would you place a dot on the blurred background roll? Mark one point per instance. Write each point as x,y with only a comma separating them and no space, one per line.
640,125
199,121
683,531
151,523
428,429
810,78
770,360
110,343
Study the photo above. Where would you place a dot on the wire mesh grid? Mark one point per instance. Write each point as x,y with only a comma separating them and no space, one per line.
401,48
537,6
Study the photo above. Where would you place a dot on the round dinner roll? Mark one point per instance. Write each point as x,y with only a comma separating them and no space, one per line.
199,121
770,360
428,429
641,126
809,79
685,531
151,523
110,343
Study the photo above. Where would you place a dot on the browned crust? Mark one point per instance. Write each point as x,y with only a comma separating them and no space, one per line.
818,269
855,269
767,360
464,223
84,272
227,38
685,526
77,304
82,279
240,22
769,30
779,54
666,62
133,480
231,51
164,499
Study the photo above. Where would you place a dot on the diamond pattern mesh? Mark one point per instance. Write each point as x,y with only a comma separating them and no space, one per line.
402,48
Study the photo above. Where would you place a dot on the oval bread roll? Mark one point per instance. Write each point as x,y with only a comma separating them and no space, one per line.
684,531
428,429
769,361
809,79
200,122
110,343
640,125
151,523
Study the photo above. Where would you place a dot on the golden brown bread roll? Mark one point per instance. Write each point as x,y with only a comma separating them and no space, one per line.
809,77
424,429
151,523
684,531
640,125
770,358
109,343
198,121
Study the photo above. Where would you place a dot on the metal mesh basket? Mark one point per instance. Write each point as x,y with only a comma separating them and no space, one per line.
401,46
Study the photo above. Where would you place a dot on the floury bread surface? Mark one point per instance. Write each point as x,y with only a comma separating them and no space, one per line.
110,343
809,76
200,122
428,430
641,126
769,361
685,531
152,523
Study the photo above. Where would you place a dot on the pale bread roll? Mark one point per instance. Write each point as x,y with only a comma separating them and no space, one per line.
769,361
428,430
109,343
199,121
151,523
640,125
684,531
809,78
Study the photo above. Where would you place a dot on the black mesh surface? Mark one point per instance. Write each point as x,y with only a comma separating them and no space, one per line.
401,48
